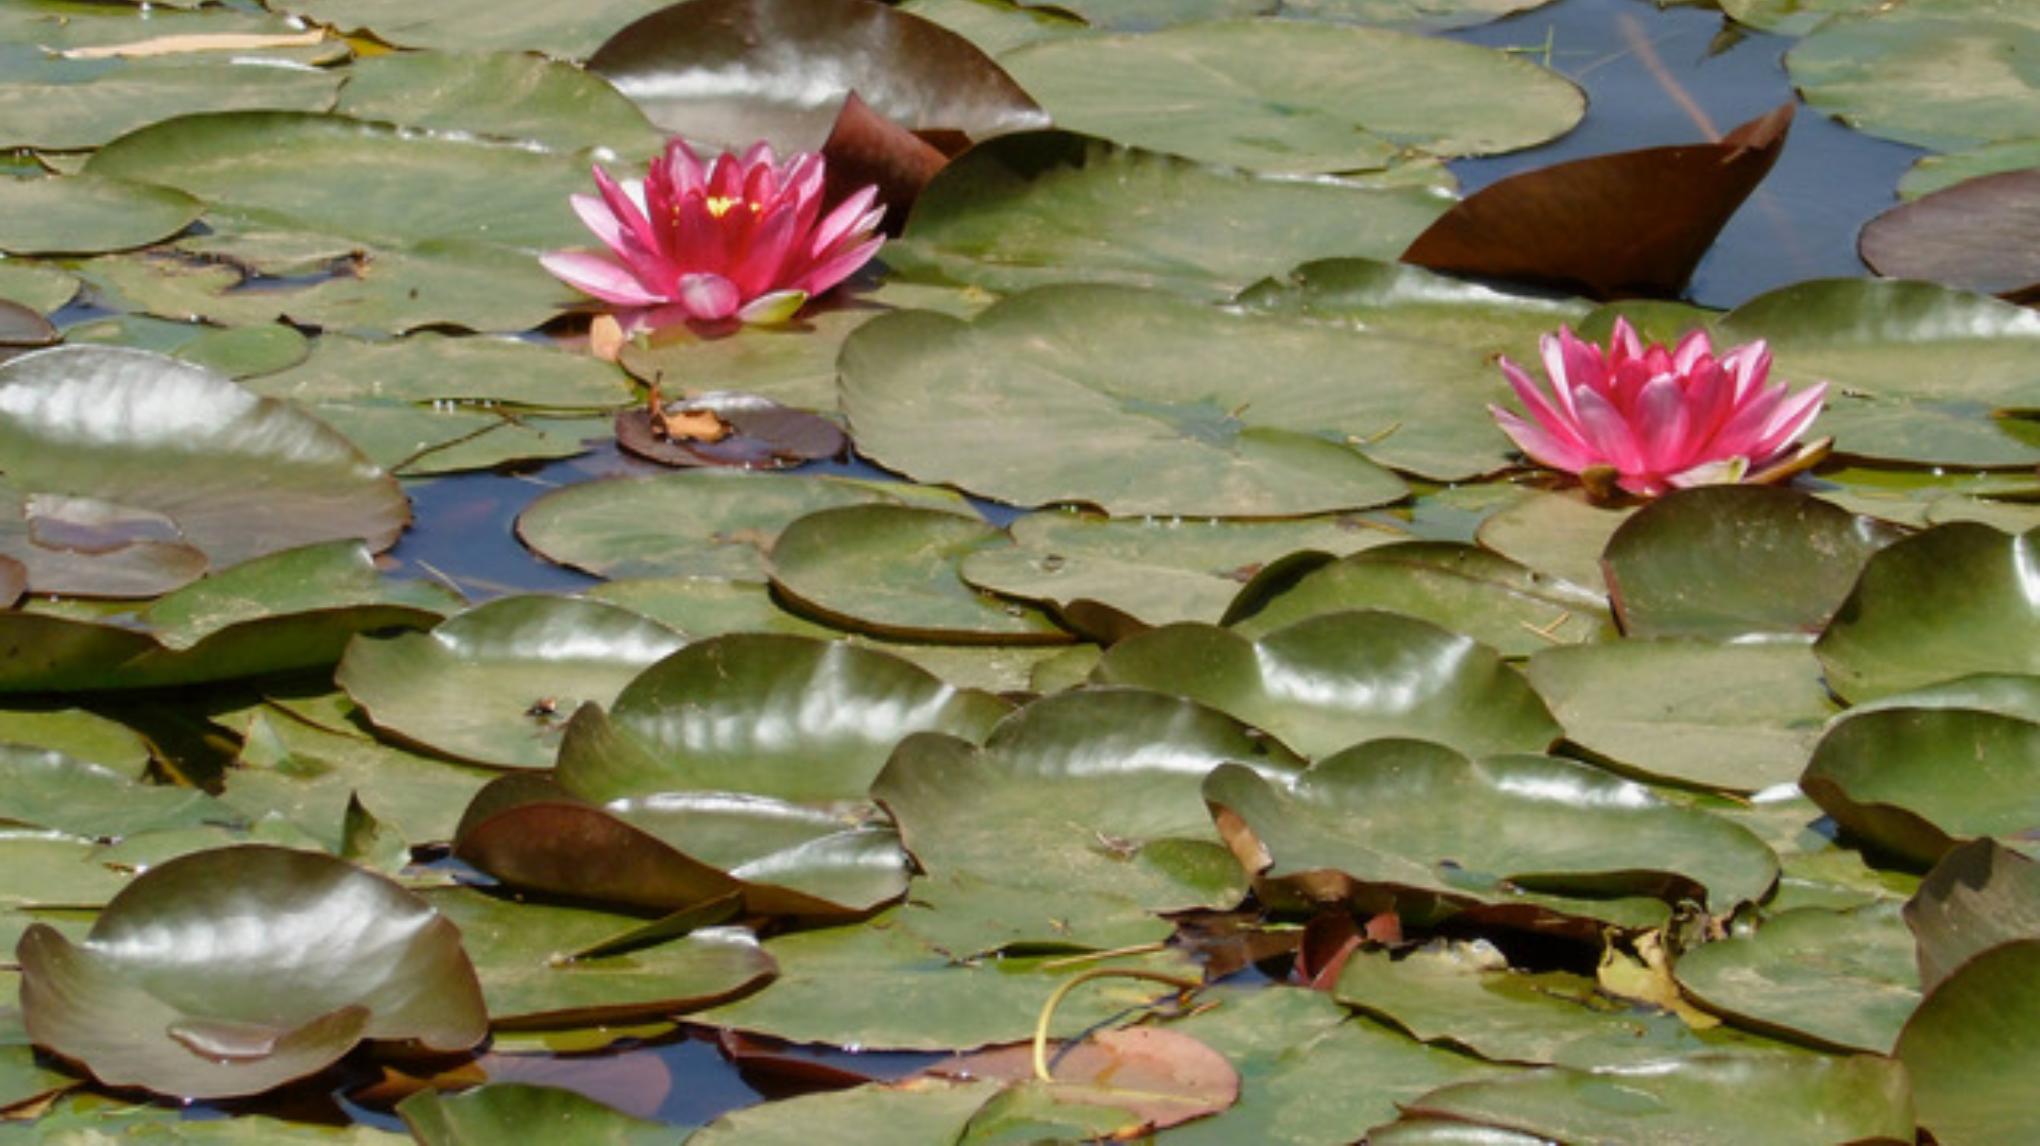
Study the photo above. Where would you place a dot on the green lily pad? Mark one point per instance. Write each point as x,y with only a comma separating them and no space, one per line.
793,364
702,523
1558,534
781,716
291,610
37,286
518,951
1839,979
310,777
46,869
1942,76
843,986
377,184
1096,371
1743,717
996,27
734,72
1419,829
1886,345
456,25
435,368
1026,210
1955,600
341,955
1980,895
908,1112
419,441
1759,1099
677,851
1735,560
1111,578
1195,91
1972,1043
710,606
505,1111
1342,678
1466,996
76,732
451,282
894,570
1917,780
239,352
60,104
82,215
1789,17
496,684
48,789
1814,870
1424,15
1310,1073
1931,173
967,917
497,95
1093,790
1490,598
255,476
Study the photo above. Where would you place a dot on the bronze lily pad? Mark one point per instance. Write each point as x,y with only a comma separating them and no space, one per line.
727,428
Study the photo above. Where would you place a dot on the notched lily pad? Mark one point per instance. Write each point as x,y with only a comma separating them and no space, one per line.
84,214
1916,774
1842,980
1957,599
497,684
1730,561
173,992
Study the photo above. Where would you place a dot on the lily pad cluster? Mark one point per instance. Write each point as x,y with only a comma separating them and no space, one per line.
1194,722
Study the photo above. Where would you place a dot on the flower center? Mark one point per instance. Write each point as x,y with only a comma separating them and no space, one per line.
719,205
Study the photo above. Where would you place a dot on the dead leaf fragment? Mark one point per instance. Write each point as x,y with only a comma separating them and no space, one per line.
198,42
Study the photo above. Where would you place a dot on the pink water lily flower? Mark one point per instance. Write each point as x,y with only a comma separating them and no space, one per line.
1653,418
742,236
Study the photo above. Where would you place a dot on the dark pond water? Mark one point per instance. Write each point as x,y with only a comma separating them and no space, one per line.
1653,77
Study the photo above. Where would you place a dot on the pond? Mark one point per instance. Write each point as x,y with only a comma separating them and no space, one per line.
1388,780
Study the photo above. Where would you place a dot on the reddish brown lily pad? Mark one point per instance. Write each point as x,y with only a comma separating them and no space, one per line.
1981,234
23,329
731,72
1160,1077
1631,223
866,148
728,428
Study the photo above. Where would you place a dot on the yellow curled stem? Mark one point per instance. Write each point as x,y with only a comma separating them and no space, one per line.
1055,998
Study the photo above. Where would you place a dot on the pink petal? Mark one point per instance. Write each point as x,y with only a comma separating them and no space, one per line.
599,276
1740,434
1607,434
625,209
1749,365
1692,349
1622,340
1539,446
1549,417
1789,422
755,267
837,269
1662,424
707,297
841,223
700,243
683,168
